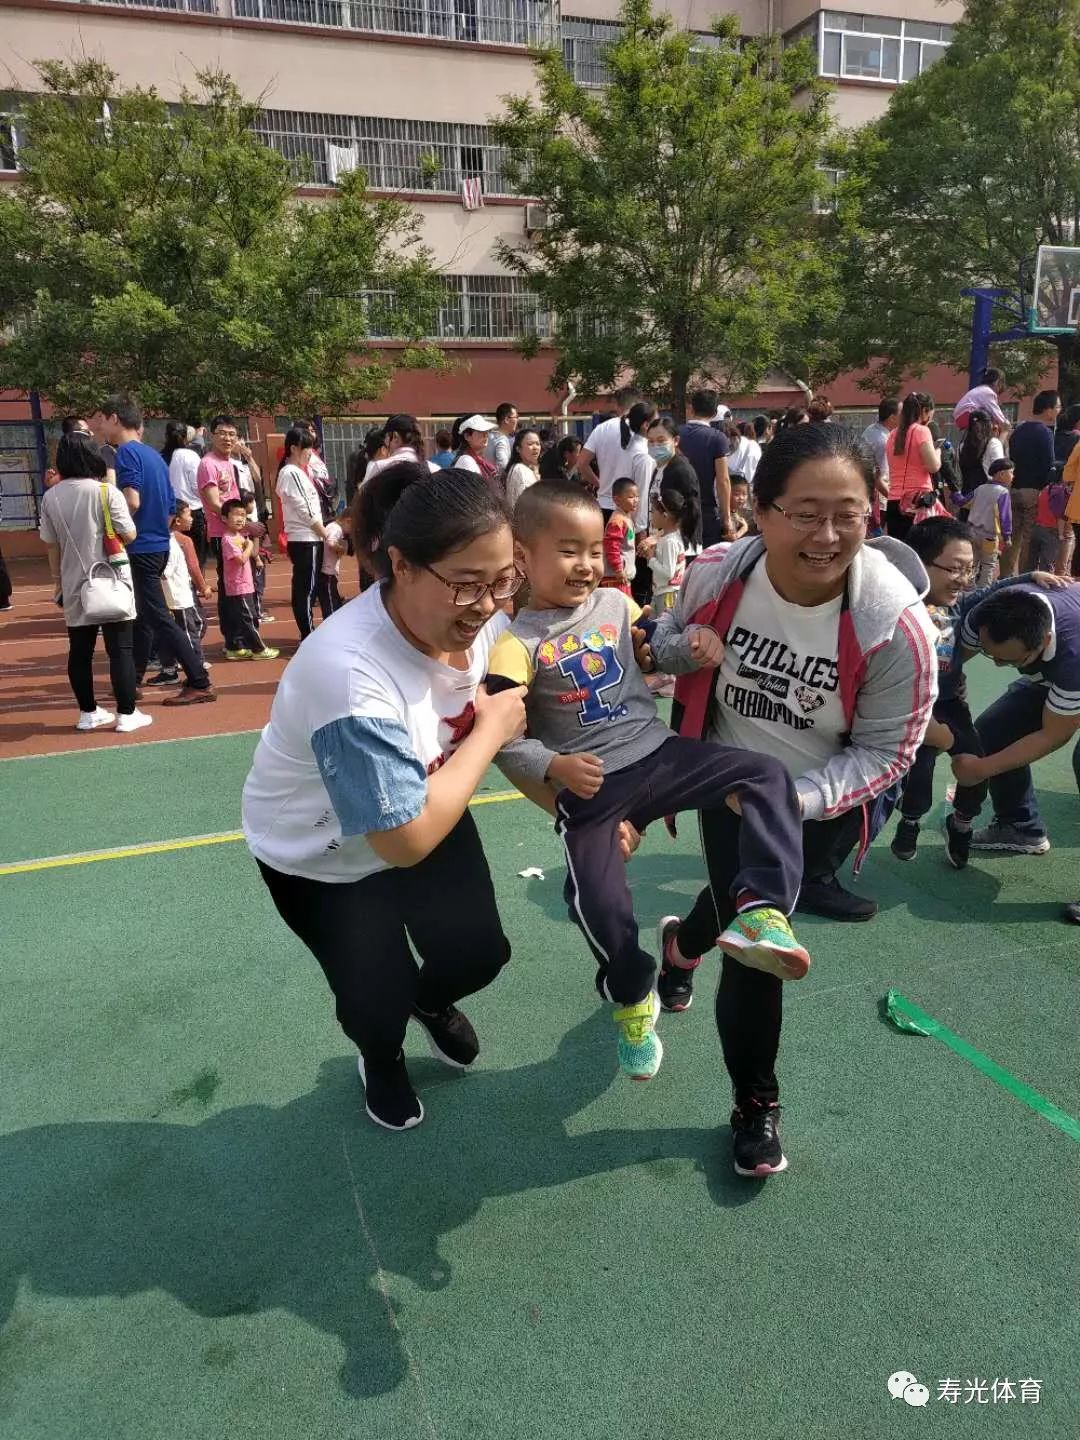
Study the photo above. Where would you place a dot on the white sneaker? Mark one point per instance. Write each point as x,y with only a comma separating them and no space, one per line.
94,719
135,721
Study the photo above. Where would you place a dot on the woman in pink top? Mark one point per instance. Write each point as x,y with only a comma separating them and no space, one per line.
914,460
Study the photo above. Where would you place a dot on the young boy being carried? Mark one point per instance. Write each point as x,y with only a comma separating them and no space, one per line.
595,738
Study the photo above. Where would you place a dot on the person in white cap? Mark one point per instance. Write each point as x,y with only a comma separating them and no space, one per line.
471,437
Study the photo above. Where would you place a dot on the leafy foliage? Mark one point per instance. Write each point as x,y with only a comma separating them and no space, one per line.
682,242
160,249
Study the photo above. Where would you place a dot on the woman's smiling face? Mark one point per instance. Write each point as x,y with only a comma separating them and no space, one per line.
809,566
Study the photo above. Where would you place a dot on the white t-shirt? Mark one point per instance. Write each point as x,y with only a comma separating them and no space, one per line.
995,450
330,557
778,691
176,579
376,467
468,463
744,459
300,508
518,481
668,565
498,449
183,468
359,721
612,461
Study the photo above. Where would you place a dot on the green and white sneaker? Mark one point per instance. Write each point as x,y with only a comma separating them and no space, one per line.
763,939
640,1050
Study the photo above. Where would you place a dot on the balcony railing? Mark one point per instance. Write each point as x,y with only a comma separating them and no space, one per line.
489,22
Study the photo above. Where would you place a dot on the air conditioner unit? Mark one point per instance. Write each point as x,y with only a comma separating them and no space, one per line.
536,218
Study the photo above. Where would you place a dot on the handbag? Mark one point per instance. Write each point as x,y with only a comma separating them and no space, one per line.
105,595
911,504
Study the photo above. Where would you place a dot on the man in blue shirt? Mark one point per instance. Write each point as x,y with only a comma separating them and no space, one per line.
1038,633
707,450
143,476
1031,448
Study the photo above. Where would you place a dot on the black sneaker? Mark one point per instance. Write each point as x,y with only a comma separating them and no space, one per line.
957,843
825,896
755,1131
450,1035
906,840
391,1100
1071,912
674,983
164,677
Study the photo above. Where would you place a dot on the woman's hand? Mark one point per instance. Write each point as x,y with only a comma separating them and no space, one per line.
581,774
706,647
501,718
968,769
629,839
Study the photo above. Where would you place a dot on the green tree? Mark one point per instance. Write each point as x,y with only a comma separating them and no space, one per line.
682,244
974,165
159,249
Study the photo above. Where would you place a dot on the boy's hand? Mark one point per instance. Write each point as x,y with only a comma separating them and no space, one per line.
706,647
968,769
582,775
938,736
629,839
1048,581
642,652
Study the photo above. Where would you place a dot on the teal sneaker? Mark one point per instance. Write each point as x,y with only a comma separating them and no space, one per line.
764,940
640,1050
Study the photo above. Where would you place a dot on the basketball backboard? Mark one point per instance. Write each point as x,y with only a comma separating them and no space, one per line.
1055,300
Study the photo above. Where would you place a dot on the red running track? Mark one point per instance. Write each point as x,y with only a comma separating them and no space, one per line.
38,711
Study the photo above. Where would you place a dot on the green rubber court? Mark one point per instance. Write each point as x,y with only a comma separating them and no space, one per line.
203,1235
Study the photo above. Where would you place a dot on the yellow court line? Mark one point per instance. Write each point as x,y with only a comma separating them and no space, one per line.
190,842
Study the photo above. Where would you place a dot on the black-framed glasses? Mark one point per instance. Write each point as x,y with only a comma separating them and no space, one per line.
472,592
807,521
963,573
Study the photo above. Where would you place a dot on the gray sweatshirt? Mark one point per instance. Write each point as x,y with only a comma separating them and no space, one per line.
586,693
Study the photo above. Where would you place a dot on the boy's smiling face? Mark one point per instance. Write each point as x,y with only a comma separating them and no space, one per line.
565,560
949,572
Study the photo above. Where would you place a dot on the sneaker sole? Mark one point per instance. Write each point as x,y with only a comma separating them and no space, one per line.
903,854
385,1124
784,964
663,924
1039,849
439,1054
761,1172
676,1009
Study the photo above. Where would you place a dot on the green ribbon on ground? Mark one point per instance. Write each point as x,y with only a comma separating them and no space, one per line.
907,1016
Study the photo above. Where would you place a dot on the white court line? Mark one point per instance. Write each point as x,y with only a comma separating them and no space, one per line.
135,745
57,702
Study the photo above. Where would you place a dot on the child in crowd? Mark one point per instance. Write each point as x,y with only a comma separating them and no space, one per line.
742,507
947,549
1050,530
184,585
595,739
620,538
990,518
673,522
242,639
335,544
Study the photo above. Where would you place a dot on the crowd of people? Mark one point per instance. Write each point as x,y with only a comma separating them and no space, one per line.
807,597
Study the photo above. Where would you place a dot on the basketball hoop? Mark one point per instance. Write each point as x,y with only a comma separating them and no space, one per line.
1055,298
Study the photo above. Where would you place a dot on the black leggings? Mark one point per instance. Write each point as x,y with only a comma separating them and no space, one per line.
360,932
306,557
119,640
749,1003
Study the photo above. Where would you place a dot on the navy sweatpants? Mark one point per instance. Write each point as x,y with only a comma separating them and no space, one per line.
682,775
1017,713
918,792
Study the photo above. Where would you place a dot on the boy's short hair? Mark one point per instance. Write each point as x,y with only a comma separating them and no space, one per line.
929,538
622,485
535,510
997,466
739,480
231,505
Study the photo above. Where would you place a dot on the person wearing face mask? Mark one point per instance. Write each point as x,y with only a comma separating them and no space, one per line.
672,470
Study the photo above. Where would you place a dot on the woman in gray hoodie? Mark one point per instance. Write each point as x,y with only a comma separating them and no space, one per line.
829,664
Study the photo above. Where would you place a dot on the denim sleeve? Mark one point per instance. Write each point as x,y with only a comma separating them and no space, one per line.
373,778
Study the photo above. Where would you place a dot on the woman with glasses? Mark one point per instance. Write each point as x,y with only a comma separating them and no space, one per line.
356,806
828,664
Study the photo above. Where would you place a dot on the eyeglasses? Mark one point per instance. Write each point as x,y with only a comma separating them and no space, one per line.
962,574
471,592
807,521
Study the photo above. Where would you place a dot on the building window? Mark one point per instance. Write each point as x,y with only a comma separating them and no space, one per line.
491,22
394,154
583,46
475,307
9,143
871,47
